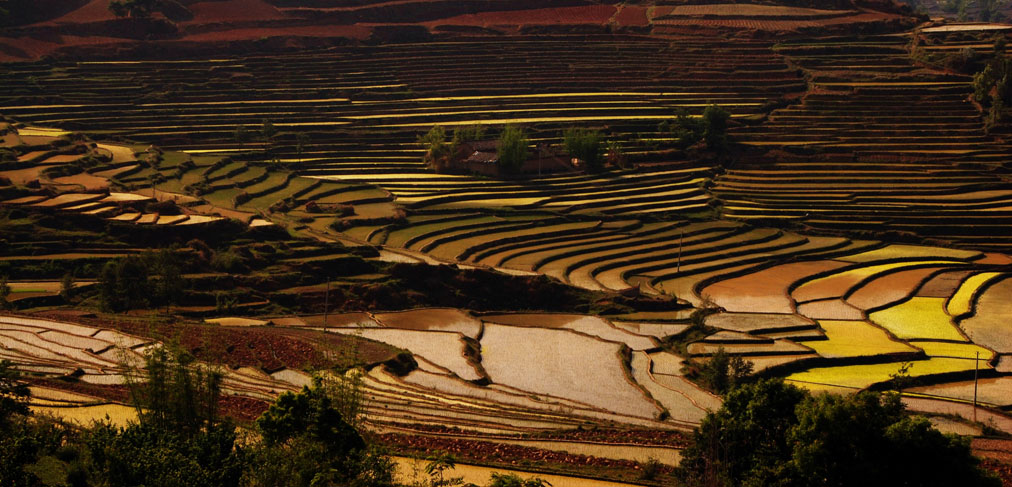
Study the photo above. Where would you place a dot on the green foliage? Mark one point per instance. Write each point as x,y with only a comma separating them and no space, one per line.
14,395
711,127
513,148
470,133
123,284
177,394
268,131
67,286
584,144
242,135
18,449
179,440
5,293
724,372
310,412
437,151
307,444
684,127
301,141
439,464
616,156
992,87
770,433
715,128
514,480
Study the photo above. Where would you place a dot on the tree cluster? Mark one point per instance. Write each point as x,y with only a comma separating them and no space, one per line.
513,149
131,282
992,87
771,433
711,127
180,438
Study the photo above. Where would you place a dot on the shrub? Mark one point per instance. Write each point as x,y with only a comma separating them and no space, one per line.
584,144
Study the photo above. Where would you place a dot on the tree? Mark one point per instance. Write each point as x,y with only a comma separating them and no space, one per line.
584,144
469,133
176,393
301,141
123,284
310,412
723,371
67,286
616,156
771,433
18,447
684,128
169,287
14,395
134,8
267,133
513,149
715,128
439,464
304,434
241,135
437,151
179,439
5,293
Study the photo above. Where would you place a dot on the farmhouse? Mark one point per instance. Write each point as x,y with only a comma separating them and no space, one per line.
481,157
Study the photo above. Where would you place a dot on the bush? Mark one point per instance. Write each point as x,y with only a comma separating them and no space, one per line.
585,144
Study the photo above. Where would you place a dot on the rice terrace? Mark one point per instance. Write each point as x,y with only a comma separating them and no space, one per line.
505,242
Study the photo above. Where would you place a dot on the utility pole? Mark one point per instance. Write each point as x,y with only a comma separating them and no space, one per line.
681,235
976,363
326,304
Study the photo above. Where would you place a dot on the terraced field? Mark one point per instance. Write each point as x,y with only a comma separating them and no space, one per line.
878,141
862,223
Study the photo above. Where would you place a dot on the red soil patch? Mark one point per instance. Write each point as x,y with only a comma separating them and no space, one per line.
242,409
94,11
27,48
996,455
780,25
233,11
116,393
744,295
357,31
485,451
631,15
889,288
590,14
1002,470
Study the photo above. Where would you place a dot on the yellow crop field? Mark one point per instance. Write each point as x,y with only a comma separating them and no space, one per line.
918,317
854,339
861,376
911,251
117,414
954,350
962,301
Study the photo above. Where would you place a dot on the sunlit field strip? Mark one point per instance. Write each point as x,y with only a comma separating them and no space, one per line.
506,121
864,375
918,317
961,301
